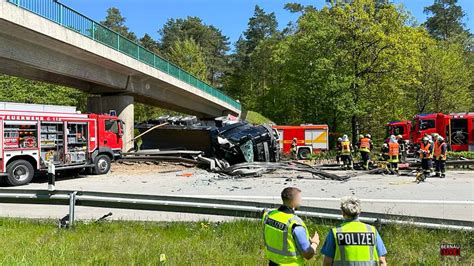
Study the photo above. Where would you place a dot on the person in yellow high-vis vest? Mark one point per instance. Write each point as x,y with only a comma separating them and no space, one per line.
346,153
285,235
353,242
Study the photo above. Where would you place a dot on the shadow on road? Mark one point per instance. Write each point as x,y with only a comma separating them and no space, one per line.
42,178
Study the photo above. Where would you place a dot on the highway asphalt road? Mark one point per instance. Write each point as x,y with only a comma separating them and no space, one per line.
450,198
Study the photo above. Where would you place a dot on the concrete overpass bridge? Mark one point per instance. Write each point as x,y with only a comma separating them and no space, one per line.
48,41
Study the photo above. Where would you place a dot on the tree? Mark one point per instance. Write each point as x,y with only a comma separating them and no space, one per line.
261,26
116,22
251,73
373,46
189,56
213,43
446,19
445,80
347,65
14,89
149,43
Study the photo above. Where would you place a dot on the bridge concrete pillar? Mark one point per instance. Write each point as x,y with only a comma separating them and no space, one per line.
123,105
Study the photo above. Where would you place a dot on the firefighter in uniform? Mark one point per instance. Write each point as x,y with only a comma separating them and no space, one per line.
385,151
439,153
294,148
338,151
285,235
346,153
365,146
426,152
393,155
353,242
403,148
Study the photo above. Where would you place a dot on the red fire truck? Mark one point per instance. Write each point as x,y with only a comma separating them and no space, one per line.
34,136
310,139
456,128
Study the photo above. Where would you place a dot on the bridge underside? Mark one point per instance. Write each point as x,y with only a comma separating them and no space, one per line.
35,48
27,54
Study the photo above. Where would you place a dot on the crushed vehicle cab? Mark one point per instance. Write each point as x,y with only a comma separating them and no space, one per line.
232,141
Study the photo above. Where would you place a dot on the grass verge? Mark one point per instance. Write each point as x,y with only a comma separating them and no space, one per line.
39,242
257,118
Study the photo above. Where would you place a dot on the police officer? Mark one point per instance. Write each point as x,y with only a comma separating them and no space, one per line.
346,153
285,235
365,147
353,242
393,155
439,153
426,152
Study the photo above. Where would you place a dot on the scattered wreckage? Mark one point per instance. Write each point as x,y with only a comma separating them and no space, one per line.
223,145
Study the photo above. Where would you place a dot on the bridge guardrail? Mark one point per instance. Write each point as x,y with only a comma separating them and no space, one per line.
198,205
73,20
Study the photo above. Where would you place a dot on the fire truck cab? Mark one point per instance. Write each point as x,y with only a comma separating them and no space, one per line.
456,128
35,136
402,128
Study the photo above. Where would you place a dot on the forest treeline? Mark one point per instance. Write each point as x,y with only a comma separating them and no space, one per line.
353,66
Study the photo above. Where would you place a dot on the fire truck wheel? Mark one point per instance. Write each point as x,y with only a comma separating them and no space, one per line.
102,164
304,153
20,172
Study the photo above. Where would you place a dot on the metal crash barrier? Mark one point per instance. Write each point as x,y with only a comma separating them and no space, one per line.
196,205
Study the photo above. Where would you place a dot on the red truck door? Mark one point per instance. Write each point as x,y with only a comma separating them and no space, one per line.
110,133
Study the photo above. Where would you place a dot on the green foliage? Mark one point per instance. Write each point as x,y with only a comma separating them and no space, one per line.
352,66
462,154
446,20
116,22
257,118
323,155
14,89
252,72
213,43
188,55
149,43
444,79
239,242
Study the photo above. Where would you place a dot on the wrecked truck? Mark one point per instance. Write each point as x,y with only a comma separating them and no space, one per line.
232,141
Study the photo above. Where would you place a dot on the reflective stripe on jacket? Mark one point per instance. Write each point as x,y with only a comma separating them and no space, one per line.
364,145
346,147
425,151
438,152
393,152
355,244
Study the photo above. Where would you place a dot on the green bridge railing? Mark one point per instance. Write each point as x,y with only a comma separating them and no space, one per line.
73,20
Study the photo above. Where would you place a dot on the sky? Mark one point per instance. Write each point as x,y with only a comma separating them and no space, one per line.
231,16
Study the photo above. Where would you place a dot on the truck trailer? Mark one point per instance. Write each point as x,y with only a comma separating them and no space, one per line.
35,136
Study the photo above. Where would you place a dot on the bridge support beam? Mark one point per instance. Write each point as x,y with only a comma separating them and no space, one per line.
123,105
